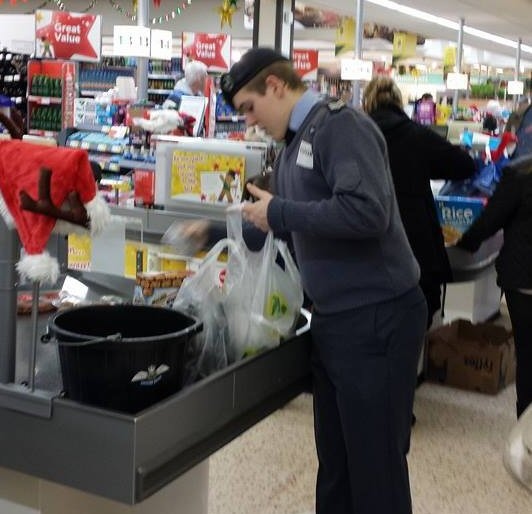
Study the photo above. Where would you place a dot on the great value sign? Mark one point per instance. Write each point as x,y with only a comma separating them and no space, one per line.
67,35
214,50
306,63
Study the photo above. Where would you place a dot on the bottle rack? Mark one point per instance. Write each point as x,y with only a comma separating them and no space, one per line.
162,76
13,74
51,96
98,78
229,124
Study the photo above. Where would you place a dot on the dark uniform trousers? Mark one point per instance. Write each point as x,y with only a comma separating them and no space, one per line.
520,311
364,365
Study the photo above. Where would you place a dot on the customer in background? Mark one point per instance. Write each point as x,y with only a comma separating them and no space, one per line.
425,110
417,155
510,209
192,84
333,192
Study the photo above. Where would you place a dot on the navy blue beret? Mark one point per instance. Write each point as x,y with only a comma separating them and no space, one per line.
250,64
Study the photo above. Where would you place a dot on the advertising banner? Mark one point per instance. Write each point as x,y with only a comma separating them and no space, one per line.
207,178
345,36
214,50
449,56
306,63
404,44
67,35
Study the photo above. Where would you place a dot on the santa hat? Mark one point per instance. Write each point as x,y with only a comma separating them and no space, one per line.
36,184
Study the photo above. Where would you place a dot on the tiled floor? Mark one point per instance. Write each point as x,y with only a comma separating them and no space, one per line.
455,459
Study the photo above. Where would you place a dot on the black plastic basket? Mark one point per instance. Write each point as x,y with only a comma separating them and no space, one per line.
122,357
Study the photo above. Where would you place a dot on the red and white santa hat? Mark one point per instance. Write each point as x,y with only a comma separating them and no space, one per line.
20,171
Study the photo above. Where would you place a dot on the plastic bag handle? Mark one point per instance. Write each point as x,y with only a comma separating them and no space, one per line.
289,264
219,247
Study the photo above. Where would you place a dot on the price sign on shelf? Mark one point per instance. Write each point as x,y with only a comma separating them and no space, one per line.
516,87
457,81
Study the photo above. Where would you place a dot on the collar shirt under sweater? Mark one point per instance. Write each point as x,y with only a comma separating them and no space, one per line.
334,193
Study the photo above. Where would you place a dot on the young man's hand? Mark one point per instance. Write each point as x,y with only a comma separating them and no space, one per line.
257,212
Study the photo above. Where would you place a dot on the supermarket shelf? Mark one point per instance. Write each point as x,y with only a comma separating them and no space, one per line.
96,147
131,164
105,164
44,100
160,91
43,133
12,78
163,76
94,92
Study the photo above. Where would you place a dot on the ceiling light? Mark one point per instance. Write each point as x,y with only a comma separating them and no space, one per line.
416,13
422,15
490,37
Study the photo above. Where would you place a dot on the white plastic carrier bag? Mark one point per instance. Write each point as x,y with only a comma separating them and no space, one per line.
264,305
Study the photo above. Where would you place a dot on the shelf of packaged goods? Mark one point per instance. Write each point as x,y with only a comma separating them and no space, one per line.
132,164
96,147
105,162
8,79
162,76
43,133
95,92
44,100
160,91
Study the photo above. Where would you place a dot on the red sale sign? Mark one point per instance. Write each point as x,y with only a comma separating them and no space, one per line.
214,50
305,63
67,35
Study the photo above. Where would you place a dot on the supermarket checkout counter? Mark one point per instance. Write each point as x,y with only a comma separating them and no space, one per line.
78,451
474,293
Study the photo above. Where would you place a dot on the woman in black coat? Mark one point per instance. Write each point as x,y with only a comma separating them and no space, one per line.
510,209
417,155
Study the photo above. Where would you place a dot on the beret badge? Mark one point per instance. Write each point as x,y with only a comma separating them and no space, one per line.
227,82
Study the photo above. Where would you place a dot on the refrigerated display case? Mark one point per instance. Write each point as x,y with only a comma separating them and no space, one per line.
51,94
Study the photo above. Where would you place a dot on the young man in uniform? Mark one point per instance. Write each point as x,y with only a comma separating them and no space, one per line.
333,192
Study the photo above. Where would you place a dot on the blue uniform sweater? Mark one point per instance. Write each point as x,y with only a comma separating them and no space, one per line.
335,194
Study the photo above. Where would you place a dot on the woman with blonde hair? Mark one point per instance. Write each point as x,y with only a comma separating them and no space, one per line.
417,154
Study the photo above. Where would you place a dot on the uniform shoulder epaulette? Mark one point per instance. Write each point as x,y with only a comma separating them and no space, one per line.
336,105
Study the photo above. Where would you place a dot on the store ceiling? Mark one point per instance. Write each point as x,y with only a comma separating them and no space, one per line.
510,18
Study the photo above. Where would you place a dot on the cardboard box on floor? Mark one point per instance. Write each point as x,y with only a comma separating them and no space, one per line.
478,357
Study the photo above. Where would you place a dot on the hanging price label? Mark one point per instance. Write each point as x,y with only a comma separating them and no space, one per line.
131,41
161,44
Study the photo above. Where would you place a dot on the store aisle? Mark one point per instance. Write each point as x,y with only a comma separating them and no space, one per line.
455,460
